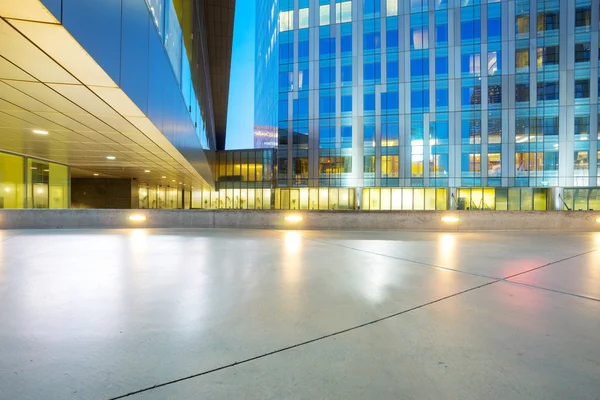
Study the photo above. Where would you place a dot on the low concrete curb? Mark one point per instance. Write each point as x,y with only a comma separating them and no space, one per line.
584,221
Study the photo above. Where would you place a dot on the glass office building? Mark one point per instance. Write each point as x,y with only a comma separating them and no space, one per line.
433,104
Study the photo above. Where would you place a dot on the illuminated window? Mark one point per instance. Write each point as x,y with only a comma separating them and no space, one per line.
417,159
526,162
471,163
392,7
522,58
303,18
286,21
494,165
581,160
522,26
343,12
324,15
389,166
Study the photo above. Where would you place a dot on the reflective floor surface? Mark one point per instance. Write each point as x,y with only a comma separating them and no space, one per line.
249,314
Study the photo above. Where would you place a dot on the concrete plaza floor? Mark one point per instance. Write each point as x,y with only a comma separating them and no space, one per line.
248,314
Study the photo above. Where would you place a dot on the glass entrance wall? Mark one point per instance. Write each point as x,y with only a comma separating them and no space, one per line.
164,197
515,199
404,199
31,183
12,181
244,169
581,199
244,199
324,198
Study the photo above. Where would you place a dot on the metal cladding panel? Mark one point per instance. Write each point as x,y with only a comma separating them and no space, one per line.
157,70
96,25
135,52
55,7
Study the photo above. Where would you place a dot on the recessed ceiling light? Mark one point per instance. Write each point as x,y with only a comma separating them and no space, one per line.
147,171
46,170
180,183
33,167
7,190
173,180
111,158
163,177
40,132
95,174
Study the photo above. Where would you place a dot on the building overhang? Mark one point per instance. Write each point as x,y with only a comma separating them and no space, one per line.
49,83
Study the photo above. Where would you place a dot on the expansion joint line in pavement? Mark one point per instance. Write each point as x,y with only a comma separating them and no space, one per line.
304,343
375,321
505,279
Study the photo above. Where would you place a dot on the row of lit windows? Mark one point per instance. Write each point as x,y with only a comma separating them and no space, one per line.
525,163
382,198
343,13
470,24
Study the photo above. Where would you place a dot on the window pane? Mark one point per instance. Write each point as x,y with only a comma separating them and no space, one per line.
324,15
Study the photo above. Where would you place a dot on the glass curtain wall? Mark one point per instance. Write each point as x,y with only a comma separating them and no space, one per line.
167,22
420,94
31,183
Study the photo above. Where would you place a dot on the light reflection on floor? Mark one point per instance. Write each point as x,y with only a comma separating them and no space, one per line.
141,307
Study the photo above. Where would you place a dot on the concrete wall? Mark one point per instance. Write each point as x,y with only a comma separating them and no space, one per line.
334,220
99,193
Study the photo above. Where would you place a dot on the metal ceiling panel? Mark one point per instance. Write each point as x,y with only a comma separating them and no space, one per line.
10,71
58,43
26,9
17,49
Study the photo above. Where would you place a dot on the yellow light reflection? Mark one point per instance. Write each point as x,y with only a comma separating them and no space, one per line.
597,238
137,218
291,265
293,242
446,250
447,281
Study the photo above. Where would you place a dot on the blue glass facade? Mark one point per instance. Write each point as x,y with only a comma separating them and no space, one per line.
267,67
139,43
451,94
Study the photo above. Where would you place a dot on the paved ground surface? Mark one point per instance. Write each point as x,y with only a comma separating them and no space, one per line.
240,314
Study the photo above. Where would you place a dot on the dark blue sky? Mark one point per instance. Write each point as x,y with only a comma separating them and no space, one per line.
240,120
